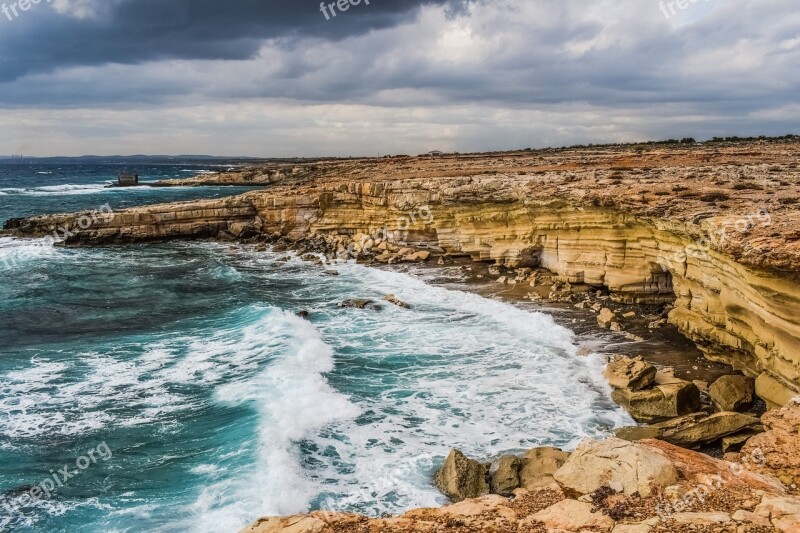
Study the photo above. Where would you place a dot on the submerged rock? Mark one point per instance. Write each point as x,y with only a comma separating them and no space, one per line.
461,478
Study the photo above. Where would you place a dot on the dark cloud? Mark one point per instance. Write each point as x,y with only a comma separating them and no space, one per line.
134,31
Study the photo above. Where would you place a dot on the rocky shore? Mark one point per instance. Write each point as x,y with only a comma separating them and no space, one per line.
703,238
610,486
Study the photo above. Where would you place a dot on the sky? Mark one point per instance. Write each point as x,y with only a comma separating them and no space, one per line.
282,78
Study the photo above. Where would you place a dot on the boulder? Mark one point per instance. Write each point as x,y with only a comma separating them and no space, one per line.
504,475
627,373
636,467
606,318
571,515
779,447
659,403
732,393
461,478
539,465
698,429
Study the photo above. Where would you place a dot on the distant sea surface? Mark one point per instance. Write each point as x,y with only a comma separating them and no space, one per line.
216,404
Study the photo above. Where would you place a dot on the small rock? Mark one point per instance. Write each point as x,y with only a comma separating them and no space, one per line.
606,318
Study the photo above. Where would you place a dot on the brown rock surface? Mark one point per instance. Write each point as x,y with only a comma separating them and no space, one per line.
660,402
732,393
698,429
779,446
461,478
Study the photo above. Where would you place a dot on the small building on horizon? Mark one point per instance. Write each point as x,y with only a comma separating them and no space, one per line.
127,179
434,153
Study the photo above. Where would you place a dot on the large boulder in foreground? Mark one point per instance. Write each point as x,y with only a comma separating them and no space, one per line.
779,447
461,478
630,373
732,393
698,429
661,402
631,466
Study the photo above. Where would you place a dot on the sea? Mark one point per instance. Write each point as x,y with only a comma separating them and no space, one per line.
172,387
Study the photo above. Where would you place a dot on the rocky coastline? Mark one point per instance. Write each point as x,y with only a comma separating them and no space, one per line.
702,239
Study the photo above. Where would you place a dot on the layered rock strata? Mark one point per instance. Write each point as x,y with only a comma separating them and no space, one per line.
716,231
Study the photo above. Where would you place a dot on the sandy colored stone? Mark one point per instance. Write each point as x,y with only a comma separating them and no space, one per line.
539,465
702,519
461,478
660,402
504,475
777,451
572,515
630,373
637,468
698,429
732,393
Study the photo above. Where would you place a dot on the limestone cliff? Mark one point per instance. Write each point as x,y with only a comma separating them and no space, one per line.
716,229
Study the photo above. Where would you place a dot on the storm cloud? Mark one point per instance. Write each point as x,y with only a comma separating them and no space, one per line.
266,77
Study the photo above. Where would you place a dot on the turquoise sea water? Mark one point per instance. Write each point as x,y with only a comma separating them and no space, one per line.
207,403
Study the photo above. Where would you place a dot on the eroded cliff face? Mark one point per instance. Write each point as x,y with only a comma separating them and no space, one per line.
728,260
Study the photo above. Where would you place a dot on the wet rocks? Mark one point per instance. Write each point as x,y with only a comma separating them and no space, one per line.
461,478
732,393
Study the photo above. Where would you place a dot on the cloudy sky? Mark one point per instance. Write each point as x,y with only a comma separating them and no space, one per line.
276,78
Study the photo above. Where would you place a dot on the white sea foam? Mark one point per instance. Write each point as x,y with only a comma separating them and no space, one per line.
294,401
